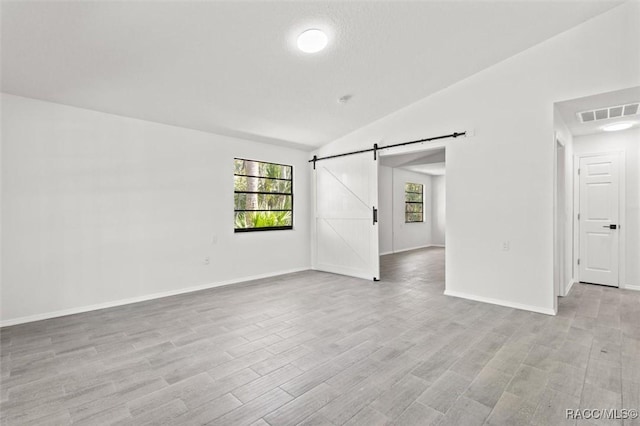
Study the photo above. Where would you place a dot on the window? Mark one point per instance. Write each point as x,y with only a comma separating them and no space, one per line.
263,196
413,202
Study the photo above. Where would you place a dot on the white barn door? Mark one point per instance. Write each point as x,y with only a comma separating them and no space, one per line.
346,190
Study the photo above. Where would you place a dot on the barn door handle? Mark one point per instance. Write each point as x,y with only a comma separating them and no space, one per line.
613,226
375,215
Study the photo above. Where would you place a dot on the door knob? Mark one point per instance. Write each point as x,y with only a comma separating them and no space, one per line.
612,226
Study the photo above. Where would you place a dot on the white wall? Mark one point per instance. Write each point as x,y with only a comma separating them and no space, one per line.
438,210
563,239
627,141
394,234
385,209
99,208
407,236
500,181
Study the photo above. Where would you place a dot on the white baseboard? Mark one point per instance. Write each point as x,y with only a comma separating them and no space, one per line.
341,270
416,248
79,310
568,289
632,287
500,302
412,248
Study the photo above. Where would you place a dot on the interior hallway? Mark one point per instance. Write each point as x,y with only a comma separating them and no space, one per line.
317,348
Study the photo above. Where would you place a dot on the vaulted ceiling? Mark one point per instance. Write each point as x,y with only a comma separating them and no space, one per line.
233,68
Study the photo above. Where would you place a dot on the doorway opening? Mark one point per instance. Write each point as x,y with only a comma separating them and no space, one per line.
597,191
345,204
411,197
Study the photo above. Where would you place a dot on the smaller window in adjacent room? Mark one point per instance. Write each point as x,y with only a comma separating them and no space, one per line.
413,202
263,196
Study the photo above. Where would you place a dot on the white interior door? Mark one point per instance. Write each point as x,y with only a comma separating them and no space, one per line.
599,214
346,235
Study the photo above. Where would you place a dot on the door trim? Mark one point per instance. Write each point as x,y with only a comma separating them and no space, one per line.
560,287
622,240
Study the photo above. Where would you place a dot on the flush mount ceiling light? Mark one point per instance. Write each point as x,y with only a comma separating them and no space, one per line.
617,126
312,41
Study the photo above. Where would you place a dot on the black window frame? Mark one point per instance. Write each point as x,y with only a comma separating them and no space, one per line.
267,228
407,203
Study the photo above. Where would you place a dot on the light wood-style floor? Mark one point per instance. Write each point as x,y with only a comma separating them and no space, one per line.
320,349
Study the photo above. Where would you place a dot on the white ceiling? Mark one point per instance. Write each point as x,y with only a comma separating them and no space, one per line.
232,67
433,169
569,109
431,162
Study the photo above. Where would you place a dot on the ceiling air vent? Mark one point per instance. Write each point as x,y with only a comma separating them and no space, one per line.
631,109
611,112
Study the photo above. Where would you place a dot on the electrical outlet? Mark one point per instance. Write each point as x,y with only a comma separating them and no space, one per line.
505,246
214,239
206,260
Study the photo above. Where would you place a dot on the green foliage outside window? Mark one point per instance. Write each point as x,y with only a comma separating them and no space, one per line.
263,195
413,202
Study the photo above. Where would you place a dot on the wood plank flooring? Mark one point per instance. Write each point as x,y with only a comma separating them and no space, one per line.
312,348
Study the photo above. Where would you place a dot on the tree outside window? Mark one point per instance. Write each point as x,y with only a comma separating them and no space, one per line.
263,196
